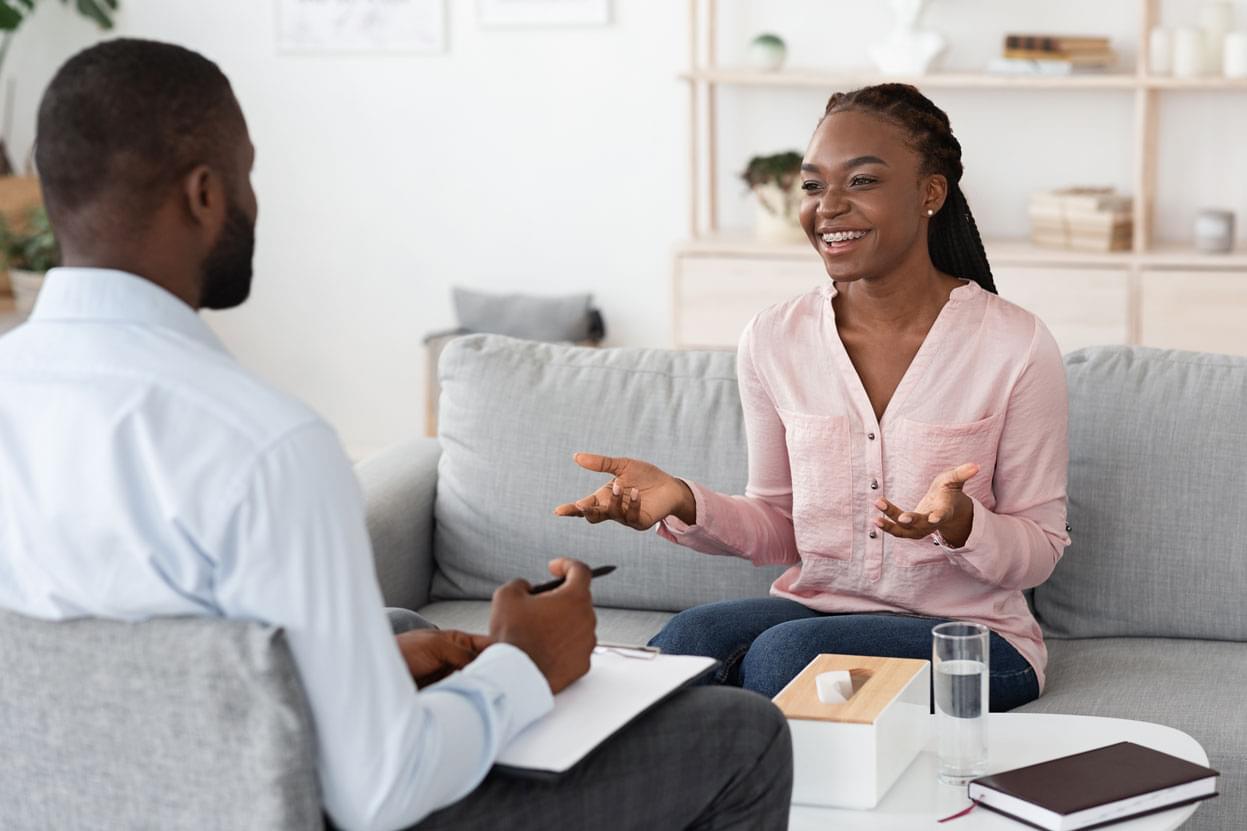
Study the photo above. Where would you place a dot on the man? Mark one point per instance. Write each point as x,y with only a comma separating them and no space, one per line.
146,474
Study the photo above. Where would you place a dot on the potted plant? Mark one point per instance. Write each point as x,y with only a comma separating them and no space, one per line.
776,184
29,252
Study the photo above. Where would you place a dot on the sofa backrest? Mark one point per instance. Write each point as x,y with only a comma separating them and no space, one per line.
176,723
513,413
1158,483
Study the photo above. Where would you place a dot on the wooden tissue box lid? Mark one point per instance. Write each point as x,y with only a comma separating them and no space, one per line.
876,684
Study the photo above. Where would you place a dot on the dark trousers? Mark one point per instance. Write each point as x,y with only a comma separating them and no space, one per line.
707,758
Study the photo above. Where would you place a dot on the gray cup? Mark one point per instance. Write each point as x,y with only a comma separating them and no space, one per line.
1214,231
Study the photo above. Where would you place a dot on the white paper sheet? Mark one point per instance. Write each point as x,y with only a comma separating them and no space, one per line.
615,691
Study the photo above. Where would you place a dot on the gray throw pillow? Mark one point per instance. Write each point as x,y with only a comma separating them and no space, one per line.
567,318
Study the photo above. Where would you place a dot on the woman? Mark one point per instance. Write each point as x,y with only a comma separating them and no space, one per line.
906,430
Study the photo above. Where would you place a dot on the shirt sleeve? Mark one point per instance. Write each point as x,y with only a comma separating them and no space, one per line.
1017,545
756,526
295,553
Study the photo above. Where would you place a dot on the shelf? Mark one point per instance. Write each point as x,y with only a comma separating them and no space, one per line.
1015,252
1207,84
951,80
824,79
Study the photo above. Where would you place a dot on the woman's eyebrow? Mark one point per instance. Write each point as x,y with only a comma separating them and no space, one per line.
856,161
861,160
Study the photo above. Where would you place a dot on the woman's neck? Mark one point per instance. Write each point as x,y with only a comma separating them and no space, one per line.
907,297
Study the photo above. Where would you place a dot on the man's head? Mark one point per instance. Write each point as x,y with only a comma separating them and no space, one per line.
145,161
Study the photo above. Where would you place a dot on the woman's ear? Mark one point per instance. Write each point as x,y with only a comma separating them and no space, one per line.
934,193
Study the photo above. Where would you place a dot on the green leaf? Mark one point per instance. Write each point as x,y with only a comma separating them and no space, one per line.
93,10
10,18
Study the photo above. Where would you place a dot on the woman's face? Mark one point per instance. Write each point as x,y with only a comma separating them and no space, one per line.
866,199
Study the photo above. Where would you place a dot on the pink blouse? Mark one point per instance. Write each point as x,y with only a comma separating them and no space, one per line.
987,386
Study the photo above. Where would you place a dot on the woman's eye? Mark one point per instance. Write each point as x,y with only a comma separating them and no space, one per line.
809,186
862,180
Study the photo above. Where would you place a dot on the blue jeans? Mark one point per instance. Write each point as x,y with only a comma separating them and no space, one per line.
763,643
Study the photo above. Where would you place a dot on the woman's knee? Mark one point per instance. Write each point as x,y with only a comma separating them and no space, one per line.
776,657
691,632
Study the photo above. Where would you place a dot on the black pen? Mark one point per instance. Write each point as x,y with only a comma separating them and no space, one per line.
600,571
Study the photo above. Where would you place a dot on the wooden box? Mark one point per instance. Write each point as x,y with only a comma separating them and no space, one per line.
847,755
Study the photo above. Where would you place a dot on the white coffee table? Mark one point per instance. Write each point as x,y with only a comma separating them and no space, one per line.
918,800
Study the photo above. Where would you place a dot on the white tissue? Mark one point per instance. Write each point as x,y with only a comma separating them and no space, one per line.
835,687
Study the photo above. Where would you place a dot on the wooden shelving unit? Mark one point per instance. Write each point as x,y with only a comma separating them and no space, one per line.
706,78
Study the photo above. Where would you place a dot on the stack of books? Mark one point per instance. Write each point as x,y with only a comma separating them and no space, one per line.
1054,55
1082,219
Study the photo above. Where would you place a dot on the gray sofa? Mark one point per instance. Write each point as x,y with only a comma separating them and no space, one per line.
1144,615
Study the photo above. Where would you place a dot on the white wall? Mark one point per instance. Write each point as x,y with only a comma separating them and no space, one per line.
555,161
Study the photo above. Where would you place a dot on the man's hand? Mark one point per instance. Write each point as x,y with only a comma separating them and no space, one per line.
556,629
945,509
432,654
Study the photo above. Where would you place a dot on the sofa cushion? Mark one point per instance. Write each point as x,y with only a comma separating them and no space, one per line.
1158,470
513,413
627,626
176,723
1195,686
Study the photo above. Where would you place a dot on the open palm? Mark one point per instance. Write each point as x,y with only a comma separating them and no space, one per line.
945,509
639,496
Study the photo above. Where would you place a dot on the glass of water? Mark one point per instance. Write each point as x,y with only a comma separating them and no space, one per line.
960,653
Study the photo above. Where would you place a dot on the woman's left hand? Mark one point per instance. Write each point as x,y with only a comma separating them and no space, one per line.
945,509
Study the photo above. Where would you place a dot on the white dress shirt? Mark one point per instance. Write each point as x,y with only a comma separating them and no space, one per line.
146,474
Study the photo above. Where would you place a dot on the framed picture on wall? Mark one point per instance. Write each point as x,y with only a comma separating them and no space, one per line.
361,26
505,13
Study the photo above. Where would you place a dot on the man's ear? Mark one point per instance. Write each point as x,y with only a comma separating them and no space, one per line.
934,193
203,194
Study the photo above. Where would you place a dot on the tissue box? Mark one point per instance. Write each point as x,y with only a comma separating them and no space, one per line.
847,755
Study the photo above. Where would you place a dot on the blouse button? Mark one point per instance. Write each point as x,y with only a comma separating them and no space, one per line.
874,534
870,436
874,484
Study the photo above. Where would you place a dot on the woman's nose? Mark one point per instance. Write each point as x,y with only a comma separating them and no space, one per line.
833,203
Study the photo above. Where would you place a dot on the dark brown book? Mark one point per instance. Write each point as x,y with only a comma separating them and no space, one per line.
1096,788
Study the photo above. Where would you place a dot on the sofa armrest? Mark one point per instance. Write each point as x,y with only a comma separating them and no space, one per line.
399,485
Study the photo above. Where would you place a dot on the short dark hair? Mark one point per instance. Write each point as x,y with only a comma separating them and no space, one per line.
125,119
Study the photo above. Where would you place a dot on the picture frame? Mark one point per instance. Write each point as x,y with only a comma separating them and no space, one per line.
361,26
542,13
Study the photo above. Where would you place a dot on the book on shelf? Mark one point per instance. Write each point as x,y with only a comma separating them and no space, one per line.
1096,788
1027,66
1057,43
1104,59
1082,200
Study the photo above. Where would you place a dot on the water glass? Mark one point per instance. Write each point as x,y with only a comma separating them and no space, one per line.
960,661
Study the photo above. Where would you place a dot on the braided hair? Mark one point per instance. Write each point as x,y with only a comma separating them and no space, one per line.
953,239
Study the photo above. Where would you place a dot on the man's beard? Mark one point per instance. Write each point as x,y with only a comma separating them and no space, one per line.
227,270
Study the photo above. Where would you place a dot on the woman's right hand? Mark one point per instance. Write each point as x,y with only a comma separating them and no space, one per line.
640,495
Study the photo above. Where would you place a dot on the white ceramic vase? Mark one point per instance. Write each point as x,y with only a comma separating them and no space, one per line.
776,213
26,285
908,49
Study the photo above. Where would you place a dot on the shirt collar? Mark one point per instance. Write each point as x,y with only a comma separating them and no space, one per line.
965,291
102,294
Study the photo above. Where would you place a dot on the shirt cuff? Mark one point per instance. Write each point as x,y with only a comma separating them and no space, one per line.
527,691
977,523
672,527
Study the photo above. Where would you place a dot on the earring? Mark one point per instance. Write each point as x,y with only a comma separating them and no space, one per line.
930,212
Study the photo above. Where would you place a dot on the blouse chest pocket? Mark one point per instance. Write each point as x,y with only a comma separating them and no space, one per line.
820,460
918,452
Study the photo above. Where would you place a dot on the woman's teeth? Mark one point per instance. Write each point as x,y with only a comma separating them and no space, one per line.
843,236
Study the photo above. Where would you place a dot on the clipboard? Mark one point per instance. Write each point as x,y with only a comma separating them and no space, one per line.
617,690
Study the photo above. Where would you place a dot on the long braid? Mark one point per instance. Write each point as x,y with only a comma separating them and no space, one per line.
953,239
